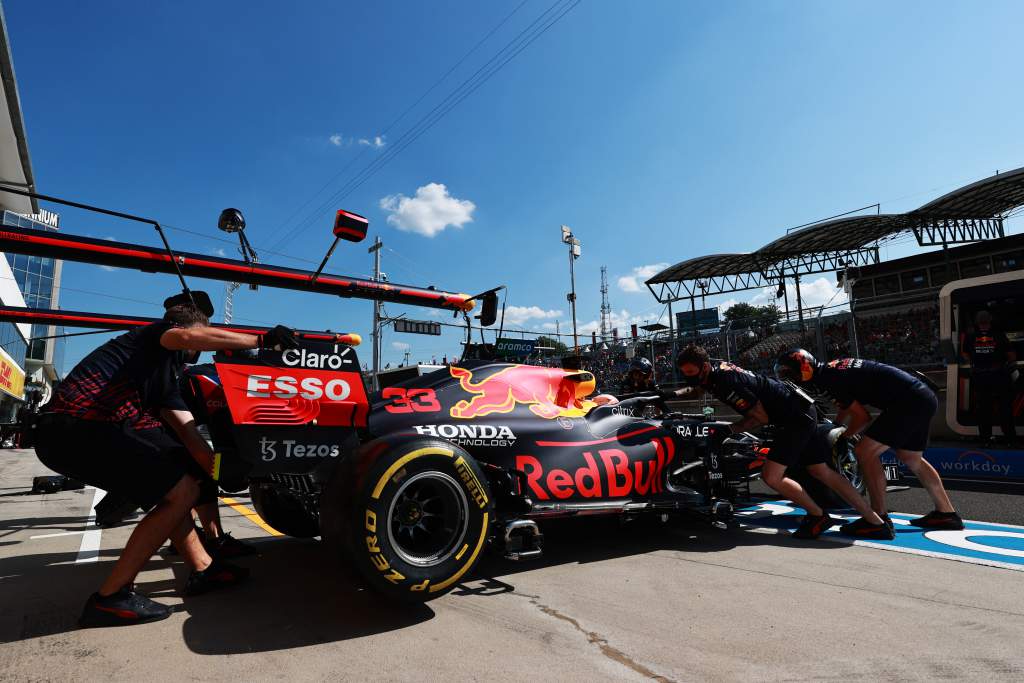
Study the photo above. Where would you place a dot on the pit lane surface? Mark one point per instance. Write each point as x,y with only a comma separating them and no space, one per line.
641,601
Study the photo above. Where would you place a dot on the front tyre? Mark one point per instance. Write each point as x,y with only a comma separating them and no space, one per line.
421,519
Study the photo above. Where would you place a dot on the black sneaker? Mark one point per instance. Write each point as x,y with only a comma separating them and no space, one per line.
813,526
862,528
946,521
123,608
217,575
888,522
227,546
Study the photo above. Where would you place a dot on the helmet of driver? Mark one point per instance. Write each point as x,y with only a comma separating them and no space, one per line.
796,365
641,365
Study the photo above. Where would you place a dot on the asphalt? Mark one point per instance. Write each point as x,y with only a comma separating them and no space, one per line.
609,601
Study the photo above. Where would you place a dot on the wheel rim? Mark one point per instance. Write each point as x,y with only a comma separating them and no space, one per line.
427,518
846,464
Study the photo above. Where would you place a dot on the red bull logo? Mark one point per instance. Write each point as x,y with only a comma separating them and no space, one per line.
550,392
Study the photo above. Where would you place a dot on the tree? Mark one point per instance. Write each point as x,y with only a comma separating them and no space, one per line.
751,315
557,345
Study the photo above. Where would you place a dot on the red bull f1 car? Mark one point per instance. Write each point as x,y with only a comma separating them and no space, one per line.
414,483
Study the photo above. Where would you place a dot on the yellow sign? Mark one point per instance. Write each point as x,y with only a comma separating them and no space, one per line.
12,378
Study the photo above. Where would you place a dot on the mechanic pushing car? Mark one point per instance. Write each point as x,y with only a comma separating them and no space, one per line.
907,406
761,400
106,427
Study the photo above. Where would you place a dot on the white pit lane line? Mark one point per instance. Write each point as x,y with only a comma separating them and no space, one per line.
941,540
89,550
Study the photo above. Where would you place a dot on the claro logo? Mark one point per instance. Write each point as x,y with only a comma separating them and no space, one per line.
285,387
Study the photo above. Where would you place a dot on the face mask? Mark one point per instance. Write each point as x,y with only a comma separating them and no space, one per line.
691,380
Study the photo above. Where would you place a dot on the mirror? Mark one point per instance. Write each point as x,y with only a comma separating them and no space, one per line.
350,226
488,309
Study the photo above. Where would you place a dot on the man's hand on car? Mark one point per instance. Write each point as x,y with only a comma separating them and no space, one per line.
280,337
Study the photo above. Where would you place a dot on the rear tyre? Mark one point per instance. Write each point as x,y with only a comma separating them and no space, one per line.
421,519
283,511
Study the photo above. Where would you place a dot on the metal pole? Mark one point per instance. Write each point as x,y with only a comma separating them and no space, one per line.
572,299
799,304
375,250
675,344
785,295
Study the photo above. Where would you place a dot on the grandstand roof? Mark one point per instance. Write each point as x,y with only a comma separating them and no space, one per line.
707,266
986,198
840,234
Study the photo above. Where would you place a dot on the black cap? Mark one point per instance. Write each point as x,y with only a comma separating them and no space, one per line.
201,298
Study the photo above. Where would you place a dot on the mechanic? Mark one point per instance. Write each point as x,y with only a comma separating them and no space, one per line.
761,400
104,427
907,406
992,362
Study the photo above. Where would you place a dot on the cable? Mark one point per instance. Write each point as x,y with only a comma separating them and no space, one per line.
460,93
410,108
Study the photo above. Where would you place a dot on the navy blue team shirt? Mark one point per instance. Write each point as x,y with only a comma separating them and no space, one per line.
875,384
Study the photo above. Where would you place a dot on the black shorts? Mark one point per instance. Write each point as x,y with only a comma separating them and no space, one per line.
906,427
793,440
140,465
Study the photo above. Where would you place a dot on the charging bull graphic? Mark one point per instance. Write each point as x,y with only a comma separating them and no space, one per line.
549,392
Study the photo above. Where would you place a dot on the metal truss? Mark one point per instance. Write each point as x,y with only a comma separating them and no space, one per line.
771,273
937,231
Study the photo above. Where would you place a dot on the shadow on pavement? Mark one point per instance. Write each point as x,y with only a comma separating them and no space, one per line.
298,596
597,539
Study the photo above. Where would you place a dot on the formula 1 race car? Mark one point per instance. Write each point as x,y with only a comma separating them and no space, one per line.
413,483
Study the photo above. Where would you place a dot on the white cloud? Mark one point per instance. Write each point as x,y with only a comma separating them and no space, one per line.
337,140
633,282
518,315
814,293
376,142
429,212
219,251
400,346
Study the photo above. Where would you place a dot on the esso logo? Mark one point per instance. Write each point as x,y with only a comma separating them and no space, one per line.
285,387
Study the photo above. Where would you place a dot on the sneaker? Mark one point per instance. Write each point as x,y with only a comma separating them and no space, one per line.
887,520
217,575
939,520
862,528
227,546
121,609
813,526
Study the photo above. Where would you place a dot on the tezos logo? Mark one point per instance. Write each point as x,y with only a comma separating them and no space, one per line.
311,388
471,434
294,449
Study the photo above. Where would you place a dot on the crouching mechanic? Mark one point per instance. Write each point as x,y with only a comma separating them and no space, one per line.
907,406
104,427
761,400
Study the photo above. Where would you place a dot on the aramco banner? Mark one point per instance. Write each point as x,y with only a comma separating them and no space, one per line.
515,348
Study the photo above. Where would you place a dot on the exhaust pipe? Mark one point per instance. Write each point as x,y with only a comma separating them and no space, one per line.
523,540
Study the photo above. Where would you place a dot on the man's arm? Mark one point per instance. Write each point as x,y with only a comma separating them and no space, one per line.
184,425
755,417
206,339
854,416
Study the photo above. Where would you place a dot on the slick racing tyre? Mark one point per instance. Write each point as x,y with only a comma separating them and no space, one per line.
420,521
283,511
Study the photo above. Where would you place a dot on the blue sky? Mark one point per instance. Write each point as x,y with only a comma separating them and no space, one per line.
658,130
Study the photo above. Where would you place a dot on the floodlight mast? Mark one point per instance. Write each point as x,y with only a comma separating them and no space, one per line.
574,253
